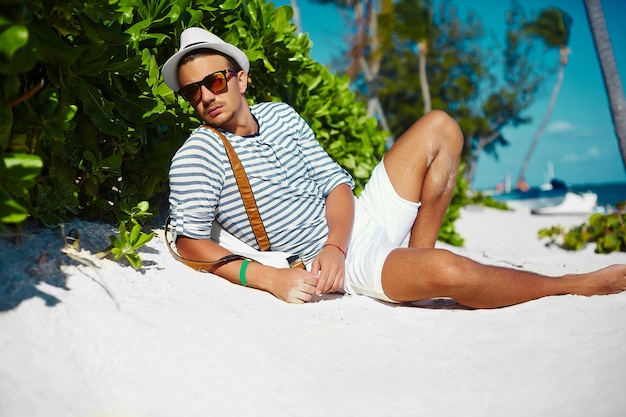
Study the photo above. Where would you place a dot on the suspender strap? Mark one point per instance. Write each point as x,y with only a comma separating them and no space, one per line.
205,266
246,193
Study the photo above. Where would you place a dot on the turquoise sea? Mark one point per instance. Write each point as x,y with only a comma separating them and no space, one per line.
608,194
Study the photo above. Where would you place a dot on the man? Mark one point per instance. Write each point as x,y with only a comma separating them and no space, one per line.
307,205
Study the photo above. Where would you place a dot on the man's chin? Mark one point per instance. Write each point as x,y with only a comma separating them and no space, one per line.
212,121
218,120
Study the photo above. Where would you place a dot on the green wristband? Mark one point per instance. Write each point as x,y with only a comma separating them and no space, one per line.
242,272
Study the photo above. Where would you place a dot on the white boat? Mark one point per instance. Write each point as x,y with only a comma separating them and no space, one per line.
533,198
552,197
573,203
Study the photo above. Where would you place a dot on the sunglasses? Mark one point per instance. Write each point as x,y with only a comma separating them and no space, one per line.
217,83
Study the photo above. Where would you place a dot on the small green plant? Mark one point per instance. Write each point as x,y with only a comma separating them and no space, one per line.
448,232
126,244
137,213
17,176
608,231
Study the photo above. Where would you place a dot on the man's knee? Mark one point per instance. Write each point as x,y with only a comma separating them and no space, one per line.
448,271
449,133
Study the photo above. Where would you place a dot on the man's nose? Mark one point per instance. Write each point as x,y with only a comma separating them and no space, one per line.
207,95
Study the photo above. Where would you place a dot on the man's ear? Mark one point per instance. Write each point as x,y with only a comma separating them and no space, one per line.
242,80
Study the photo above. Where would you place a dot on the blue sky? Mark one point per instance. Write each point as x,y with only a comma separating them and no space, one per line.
579,141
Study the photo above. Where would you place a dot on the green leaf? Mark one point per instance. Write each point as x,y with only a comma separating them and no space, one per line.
92,60
281,19
12,212
95,106
117,253
21,166
230,5
124,66
134,260
134,234
12,39
134,108
102,33
65,114
136,30
143,239
49,47
6,122
142,207
123,236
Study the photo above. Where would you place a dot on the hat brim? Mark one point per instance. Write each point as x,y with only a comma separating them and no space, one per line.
170,68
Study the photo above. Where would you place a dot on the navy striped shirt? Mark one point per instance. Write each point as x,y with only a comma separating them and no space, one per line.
289,172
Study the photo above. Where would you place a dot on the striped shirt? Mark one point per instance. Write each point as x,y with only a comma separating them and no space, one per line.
289,172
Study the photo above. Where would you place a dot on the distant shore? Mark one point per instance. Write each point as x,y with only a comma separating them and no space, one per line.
608,193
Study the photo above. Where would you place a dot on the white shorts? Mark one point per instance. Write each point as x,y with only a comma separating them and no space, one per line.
382,222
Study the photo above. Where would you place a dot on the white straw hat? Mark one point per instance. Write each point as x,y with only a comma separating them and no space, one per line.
198,38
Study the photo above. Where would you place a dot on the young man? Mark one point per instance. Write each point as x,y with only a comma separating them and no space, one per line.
307,205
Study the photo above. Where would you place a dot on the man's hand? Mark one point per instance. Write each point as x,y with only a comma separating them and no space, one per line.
293,285
329,266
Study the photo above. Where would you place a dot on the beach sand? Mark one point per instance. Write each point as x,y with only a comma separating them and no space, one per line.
106,340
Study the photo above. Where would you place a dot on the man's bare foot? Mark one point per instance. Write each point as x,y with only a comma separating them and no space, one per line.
609,280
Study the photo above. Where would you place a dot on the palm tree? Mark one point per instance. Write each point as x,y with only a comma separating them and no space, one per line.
553,26
414,23
374,38
363,12
369,37
612,81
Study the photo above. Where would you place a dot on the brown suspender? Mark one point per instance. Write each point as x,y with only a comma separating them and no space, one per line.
246,193
205,266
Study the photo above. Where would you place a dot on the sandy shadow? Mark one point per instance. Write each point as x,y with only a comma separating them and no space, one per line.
34,256
27,262
439,304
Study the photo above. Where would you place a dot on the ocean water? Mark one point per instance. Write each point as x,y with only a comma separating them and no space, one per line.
608,194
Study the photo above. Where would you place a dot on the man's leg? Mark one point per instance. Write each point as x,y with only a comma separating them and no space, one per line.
422,166
411,274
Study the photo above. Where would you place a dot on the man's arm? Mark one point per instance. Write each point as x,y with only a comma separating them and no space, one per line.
329,264
293,285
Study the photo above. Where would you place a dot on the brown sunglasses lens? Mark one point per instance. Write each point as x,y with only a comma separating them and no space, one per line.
190,93
215,82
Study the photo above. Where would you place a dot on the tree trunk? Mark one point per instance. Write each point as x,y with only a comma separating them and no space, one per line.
371,70
610,75
423,51
544,123
471,153
374,108
296,14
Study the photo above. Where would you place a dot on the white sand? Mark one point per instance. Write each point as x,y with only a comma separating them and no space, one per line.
168,341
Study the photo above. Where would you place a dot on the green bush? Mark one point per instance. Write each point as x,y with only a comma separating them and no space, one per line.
81,91
607,231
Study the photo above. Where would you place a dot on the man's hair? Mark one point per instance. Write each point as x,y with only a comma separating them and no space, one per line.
208,51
